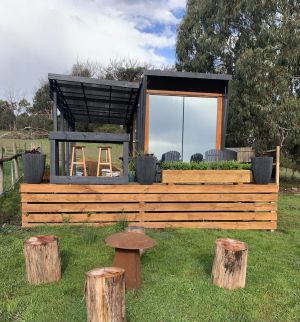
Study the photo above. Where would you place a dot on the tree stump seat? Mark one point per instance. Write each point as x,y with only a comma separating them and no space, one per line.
42,259
230,263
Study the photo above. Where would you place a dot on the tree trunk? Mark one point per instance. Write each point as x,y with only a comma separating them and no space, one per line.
230,264
105,295
42,259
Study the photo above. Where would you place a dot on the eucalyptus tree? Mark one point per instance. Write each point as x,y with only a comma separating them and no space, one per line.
258,42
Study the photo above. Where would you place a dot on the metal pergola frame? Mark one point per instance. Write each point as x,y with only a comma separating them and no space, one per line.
82,99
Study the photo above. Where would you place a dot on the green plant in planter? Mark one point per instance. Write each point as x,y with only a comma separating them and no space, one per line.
205,165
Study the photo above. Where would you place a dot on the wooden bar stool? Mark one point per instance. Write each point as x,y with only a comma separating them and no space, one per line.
74,160
107,160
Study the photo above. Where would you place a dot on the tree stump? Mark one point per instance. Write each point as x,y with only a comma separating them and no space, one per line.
230,264
139,230
105,295
42,259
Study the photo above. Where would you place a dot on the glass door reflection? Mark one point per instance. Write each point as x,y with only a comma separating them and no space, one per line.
165,124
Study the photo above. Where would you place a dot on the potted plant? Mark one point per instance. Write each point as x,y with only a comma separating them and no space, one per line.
145,168
261,165
33,165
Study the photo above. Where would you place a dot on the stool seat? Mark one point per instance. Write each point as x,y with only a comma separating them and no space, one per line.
75,162
106,161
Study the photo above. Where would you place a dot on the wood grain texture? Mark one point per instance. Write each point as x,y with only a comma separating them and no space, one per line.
219,122
153,197
42,259
155,188
206,176
174,216
105,295
267,225
223,206
230,264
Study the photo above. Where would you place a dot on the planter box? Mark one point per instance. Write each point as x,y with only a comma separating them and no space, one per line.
206,176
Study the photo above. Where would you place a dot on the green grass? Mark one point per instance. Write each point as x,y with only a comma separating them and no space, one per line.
176,275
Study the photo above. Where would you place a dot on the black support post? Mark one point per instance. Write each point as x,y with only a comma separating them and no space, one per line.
62,146
54,111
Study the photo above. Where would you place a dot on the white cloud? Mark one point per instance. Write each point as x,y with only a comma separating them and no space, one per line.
41,36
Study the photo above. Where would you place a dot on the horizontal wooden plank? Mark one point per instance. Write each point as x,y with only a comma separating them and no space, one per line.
31,225
269,225
80,207
206,176
153,207
206,225
40,218
31,197
155,188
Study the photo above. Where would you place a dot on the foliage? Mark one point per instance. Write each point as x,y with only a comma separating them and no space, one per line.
122,69
214,165
259,43
7,116
42,103
10,207
176,273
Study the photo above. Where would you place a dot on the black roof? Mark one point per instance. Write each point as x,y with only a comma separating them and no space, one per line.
95,100
114,102
155,72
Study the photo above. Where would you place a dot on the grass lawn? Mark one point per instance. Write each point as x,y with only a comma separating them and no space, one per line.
176,275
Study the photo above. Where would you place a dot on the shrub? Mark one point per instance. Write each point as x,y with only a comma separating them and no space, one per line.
213,165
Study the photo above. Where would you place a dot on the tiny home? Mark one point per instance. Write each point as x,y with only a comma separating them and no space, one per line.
167,111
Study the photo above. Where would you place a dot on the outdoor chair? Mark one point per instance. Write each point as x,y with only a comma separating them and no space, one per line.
170,156
220,155
197,157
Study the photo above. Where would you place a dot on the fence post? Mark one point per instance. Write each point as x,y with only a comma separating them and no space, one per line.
1,171
12,173
277,165
15,161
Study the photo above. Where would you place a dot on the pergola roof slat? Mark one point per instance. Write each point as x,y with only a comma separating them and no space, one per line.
95,100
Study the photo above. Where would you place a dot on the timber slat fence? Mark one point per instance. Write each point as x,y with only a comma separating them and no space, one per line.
223,206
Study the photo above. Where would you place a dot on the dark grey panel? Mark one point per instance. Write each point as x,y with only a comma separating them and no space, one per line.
89,137
88,180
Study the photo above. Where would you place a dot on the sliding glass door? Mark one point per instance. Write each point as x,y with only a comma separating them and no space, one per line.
165,124
184,124
200,125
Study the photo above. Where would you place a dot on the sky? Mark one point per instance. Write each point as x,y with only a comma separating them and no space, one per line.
38,37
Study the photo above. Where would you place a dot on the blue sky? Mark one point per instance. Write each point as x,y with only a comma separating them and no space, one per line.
51,35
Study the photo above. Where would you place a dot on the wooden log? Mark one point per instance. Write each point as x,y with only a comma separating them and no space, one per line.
230,263
42,259
105,295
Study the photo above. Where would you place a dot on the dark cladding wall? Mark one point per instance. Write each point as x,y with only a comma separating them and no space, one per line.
186,84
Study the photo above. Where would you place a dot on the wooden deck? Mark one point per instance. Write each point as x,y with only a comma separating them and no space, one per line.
223,206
